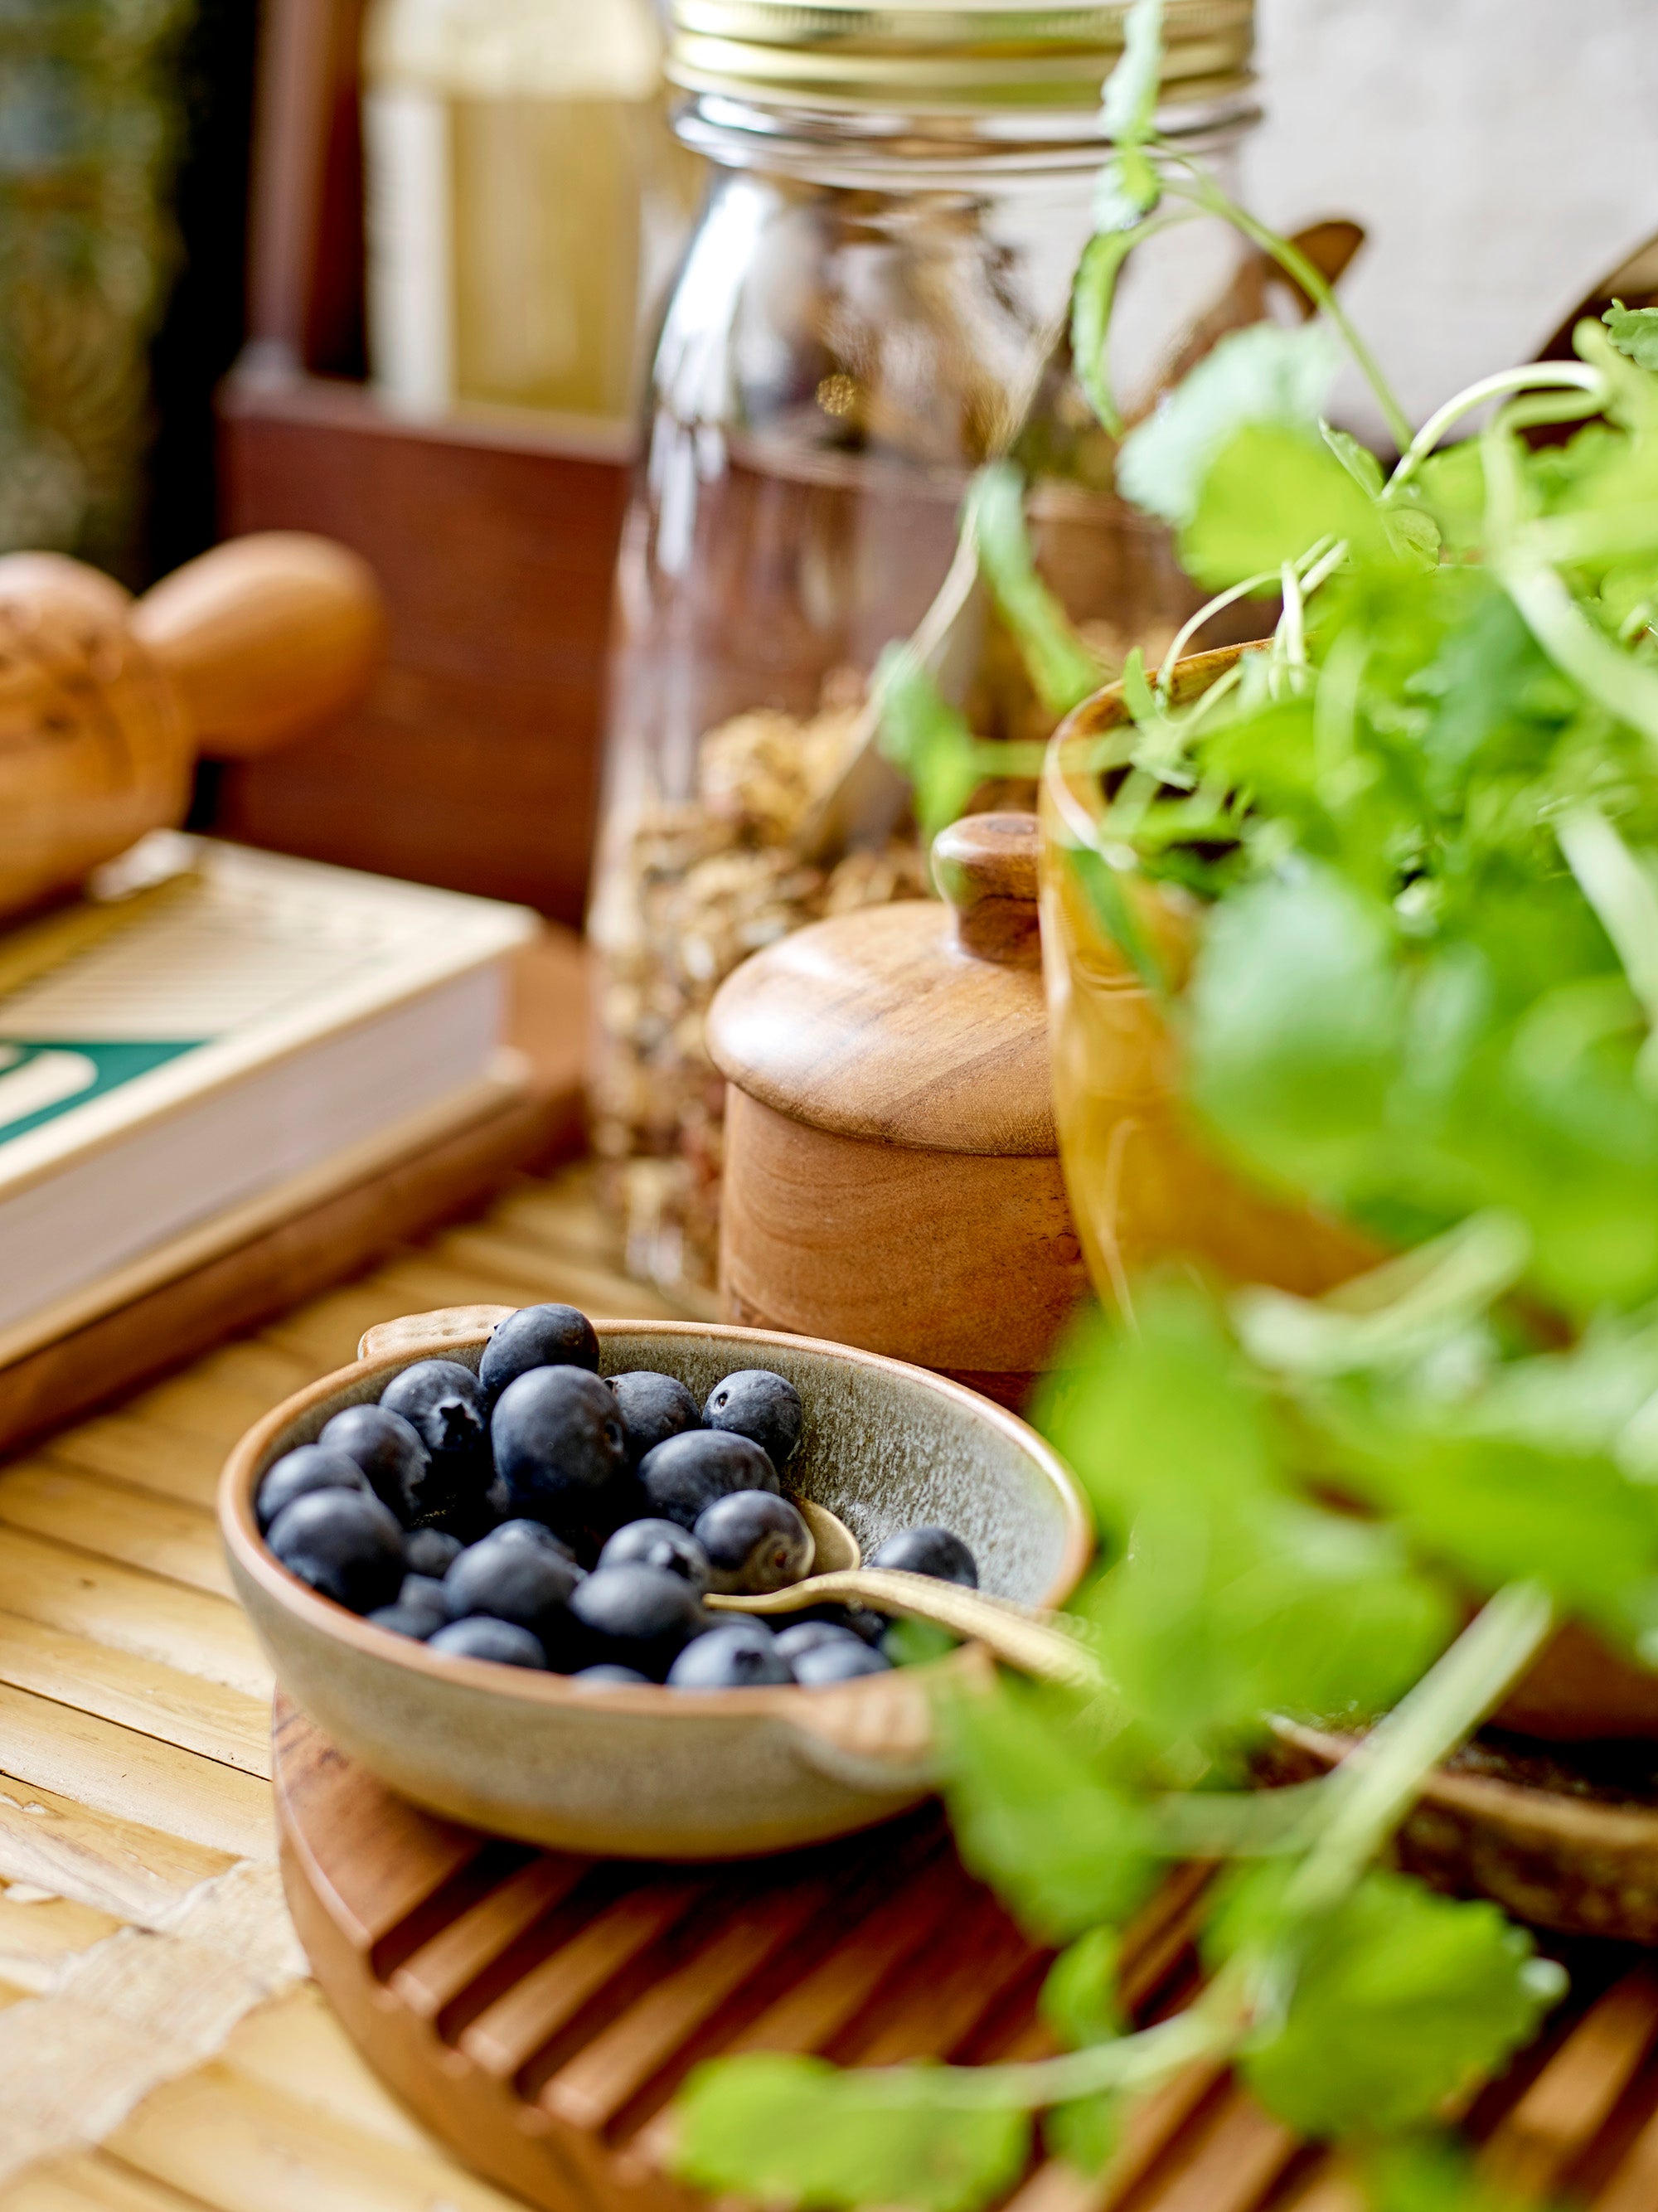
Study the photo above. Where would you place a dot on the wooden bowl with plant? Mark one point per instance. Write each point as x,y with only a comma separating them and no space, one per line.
1352,940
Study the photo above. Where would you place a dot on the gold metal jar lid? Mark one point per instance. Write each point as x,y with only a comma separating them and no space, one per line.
947,54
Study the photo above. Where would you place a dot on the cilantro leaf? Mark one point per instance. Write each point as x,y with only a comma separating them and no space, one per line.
925,737
1267,496
1297,1025
1084,2132
1061,667
1093,294
1633,331
1260,374
1231,1596
1401,1999
1080,1998
1064,1848
798,2132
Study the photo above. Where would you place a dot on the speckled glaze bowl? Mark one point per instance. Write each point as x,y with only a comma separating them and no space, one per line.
657,1773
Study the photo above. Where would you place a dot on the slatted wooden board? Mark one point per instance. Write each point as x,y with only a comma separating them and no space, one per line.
539,2010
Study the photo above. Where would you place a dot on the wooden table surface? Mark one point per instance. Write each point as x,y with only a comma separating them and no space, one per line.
161,2047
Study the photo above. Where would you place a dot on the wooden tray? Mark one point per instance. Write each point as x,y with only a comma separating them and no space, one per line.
539,2011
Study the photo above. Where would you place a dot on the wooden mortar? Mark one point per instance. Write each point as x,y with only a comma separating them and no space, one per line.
892,1178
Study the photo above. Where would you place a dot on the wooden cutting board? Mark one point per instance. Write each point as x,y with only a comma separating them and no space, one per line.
539,2012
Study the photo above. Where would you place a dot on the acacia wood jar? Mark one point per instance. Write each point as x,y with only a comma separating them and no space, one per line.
891,1177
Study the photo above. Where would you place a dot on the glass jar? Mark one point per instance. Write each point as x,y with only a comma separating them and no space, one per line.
525,202
873,305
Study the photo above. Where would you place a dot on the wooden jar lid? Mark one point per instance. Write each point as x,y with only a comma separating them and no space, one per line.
919,1024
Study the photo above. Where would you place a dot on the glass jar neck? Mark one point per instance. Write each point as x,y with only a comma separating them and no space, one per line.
883,147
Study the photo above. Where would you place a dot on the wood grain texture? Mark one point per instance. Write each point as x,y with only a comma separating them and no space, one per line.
877,1025
474,760
594,1990
262,637
953,1259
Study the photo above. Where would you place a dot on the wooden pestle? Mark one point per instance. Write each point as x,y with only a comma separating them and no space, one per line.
106,700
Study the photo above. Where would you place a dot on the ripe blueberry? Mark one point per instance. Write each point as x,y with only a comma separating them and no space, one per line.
441,1401
803,1636
661,1544
757,1404
533,1532
431,1552
387,1450
755,1542
529,1584
637,1616
612,1678
297,1473
738,1655
342,1542
560,1455
936,1551
685,1474
654,1407
482,1638
843,1660
421,1609
535,1336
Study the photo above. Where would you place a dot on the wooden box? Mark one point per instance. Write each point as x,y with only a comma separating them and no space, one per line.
474,762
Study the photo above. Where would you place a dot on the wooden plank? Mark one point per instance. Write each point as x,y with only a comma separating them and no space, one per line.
1565,2108
454,1958
119,1866
528,1273
240,2147
1236,2162
134,1778
89,2183
295,2046
143,1455
38,1935
139,1693
592,2086
131,1611
113,1522
516,2026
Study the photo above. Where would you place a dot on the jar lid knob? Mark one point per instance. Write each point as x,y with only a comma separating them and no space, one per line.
986,866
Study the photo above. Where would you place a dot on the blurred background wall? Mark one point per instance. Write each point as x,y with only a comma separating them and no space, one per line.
1502,154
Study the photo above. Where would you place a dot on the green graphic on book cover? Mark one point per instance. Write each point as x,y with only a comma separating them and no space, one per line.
41,1080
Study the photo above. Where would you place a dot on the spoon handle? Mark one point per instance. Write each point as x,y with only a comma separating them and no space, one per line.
1027,1640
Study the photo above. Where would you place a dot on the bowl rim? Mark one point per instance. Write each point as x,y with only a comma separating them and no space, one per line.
787,1702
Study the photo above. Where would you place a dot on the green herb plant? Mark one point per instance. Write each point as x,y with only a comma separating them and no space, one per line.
1417,837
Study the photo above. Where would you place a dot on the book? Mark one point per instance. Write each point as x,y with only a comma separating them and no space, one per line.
215,1026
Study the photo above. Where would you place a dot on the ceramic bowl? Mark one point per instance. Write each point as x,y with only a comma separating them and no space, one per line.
653,1772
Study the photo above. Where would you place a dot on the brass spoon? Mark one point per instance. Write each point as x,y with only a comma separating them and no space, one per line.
1027,1639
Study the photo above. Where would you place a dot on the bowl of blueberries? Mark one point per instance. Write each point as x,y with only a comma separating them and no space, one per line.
481,1559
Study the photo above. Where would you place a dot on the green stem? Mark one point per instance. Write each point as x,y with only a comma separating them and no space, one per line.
1378,1781
1208,194
1540,377
1367,1796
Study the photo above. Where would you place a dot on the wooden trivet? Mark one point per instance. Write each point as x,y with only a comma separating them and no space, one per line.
538,2012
